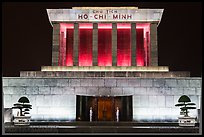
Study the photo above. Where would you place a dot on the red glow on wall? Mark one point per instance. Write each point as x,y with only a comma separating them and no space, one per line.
66,40
85,26
63,43
123,44
104,26
69,47
123,26
104,44
85,44
143,25
65,26
143,44
140,47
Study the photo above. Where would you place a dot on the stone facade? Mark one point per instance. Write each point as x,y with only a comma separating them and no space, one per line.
55,98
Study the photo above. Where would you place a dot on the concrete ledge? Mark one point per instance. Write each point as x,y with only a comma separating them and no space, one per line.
85,74
106,68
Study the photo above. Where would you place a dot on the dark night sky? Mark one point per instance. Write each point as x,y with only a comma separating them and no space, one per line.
27,35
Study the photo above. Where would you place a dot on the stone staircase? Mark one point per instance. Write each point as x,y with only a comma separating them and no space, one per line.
100,127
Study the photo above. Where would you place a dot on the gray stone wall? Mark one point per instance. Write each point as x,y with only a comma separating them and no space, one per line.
55,98
55,44
51,99
155,99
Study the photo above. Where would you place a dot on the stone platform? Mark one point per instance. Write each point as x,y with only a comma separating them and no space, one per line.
102,127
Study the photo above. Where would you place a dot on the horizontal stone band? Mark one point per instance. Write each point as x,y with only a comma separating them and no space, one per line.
106,68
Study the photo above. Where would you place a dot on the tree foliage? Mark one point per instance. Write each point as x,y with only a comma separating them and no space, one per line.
24,106
185,104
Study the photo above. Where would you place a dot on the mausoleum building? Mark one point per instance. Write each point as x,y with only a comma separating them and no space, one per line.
104,58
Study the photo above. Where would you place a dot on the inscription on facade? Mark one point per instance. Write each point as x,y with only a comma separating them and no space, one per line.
104,15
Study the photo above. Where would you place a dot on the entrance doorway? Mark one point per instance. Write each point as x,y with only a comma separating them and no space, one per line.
104,108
